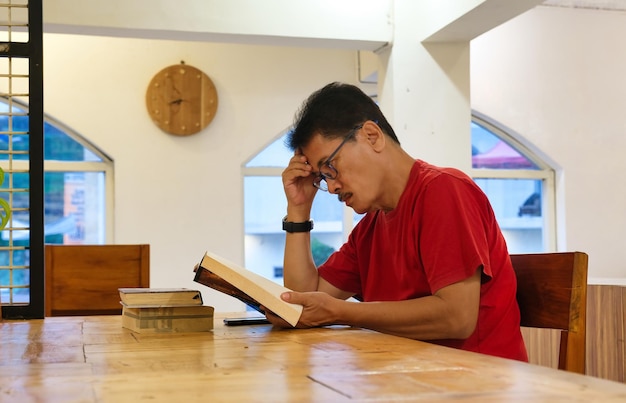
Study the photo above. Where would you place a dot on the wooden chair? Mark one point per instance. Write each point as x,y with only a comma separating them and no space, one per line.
552,294
83,279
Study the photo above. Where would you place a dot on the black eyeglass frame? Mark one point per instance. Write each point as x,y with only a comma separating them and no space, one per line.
332,175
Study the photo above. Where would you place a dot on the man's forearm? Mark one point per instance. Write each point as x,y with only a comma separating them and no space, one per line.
451,313
299,271
425,318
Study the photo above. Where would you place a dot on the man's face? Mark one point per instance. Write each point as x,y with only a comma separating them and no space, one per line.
343,166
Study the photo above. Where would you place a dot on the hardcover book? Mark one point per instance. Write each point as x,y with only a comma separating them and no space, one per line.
159,297
253,289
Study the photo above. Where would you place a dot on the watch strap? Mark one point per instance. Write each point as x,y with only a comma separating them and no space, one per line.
291,226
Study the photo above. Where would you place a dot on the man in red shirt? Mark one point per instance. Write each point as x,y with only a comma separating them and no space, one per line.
428,260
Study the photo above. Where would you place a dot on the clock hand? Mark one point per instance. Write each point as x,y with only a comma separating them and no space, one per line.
177,101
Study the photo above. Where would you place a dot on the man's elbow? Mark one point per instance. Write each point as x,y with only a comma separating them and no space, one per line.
463,326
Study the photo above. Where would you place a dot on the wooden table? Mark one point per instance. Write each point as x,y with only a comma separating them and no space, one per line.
93,359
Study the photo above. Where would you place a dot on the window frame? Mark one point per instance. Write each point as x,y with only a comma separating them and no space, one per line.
105,165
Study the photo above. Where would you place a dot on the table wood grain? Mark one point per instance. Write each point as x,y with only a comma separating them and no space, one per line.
94,359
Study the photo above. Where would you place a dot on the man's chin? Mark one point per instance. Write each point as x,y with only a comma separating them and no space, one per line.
347,199
358,210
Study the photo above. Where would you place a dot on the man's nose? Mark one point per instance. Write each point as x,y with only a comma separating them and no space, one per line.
333,185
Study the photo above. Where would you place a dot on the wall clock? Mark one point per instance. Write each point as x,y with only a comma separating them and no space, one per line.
181,99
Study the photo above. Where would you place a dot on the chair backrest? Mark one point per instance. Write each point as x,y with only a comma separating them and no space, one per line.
84,279
552,293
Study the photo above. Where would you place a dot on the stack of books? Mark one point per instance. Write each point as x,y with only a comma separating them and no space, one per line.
152,310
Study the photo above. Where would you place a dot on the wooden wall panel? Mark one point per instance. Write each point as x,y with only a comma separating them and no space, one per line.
606,328
542,346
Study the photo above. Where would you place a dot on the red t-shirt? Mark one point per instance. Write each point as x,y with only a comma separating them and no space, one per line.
442,230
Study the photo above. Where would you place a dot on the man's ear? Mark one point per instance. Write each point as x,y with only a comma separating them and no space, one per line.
375,136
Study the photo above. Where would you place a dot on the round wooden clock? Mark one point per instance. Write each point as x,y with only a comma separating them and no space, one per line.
181,99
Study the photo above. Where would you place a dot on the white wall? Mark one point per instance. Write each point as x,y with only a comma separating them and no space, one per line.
553,75
182,195
557,76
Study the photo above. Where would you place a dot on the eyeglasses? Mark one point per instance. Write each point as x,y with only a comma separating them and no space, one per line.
327,170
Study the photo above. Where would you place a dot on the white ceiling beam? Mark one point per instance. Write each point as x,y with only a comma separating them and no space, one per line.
348,24
460,21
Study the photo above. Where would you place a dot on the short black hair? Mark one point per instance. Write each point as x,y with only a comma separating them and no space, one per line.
332,112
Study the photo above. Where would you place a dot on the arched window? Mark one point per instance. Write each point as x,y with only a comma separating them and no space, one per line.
78,179
520,186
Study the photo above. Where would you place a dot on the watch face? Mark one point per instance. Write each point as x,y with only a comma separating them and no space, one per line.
181,100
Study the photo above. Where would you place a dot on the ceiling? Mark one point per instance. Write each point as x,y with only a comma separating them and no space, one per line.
614,5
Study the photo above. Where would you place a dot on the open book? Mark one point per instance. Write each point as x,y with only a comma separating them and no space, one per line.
255,290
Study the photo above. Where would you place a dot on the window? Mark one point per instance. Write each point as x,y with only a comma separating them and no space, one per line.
77,183
519,185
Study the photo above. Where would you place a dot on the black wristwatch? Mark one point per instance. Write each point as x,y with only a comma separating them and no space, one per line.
290,226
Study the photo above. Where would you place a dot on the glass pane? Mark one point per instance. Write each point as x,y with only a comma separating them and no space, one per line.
489,151
275,155
14,283
327,236
58,146
264,209
14,248
517,205
264,200
18,198
13,133
74,207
